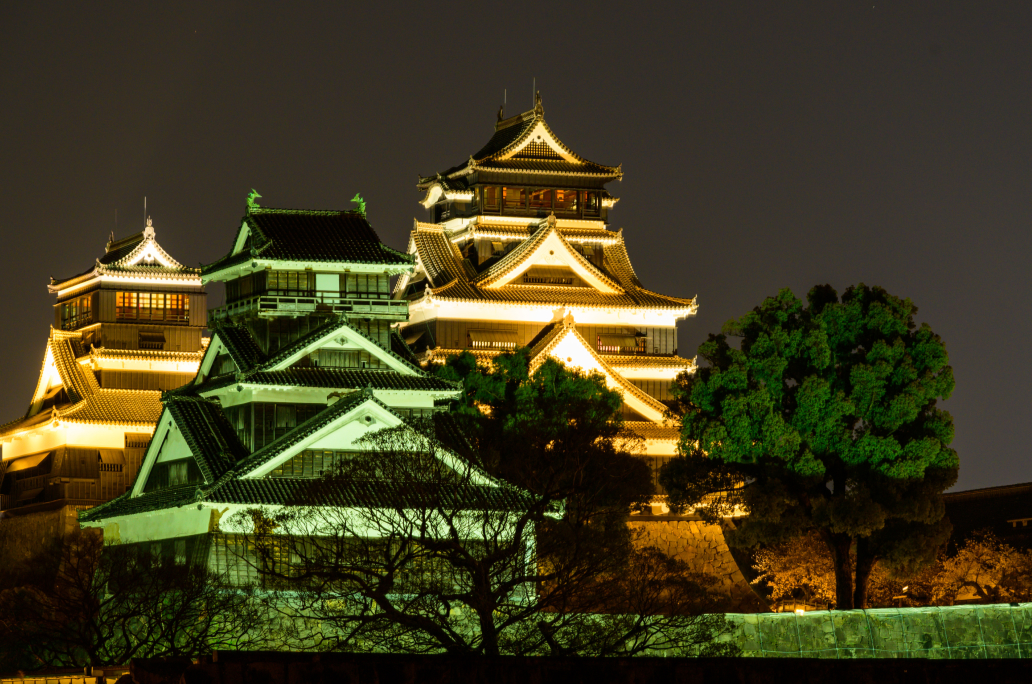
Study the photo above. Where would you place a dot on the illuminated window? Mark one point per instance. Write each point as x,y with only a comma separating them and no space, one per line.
591,203
566,200
491,198
76,313
125,305
541,199
177,307
514,198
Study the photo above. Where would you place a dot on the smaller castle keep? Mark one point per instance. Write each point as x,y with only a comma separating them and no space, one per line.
124,330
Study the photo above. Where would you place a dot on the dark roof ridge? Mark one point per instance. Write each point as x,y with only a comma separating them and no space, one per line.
126,241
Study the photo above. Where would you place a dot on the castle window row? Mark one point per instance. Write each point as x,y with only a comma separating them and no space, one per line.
76,312
309,284
152,306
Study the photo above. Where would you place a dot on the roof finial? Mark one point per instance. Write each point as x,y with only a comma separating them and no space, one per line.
538,109
148,232
501,112
251,203
357,199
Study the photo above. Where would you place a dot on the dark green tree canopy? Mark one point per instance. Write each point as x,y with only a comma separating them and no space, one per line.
824,418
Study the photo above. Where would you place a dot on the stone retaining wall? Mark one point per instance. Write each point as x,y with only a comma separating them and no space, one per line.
702,546
951,632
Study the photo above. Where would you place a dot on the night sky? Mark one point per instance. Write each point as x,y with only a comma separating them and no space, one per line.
763,147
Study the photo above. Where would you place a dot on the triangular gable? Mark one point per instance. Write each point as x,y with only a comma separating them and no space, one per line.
195,428
148,251
61,369
243,233
338,336
547,247
235,342
216,347
539,135
339,428
49,378
567,346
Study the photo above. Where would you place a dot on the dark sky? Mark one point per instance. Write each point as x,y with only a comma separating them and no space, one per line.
764,146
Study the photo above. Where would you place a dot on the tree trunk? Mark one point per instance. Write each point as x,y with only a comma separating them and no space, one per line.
865,562
839,545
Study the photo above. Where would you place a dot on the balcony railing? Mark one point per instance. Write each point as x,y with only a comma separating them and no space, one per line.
300,305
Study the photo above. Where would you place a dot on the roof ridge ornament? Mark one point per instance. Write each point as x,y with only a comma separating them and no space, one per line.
148,231
357,199
539,110
251,203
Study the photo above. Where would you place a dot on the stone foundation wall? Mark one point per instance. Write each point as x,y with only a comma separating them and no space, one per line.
702,546
948,632
21,536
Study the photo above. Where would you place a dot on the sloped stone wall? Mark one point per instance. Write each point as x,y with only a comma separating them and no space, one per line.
948,632
702,546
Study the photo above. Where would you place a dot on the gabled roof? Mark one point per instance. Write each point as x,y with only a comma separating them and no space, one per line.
87,401
548,239
212,440
328,331
136,256
449,280
317,422
521,144
552,340
293,491
308,236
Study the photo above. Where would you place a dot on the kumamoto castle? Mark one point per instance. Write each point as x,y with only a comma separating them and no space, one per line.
145,428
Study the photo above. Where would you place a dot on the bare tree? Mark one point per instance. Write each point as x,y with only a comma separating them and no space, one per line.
80,602
409,547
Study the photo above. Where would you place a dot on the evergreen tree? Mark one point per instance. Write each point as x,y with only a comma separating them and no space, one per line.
823,419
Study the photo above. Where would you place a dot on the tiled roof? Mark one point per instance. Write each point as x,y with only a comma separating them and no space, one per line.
654,362
241,345
559,167
313,424
373,494
401,349
79,382
509,135
315,236
125,257
519,255
115,406
121,248
334,324
293,491
448,279
211,438
653,431
337,378
137,354
127,504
